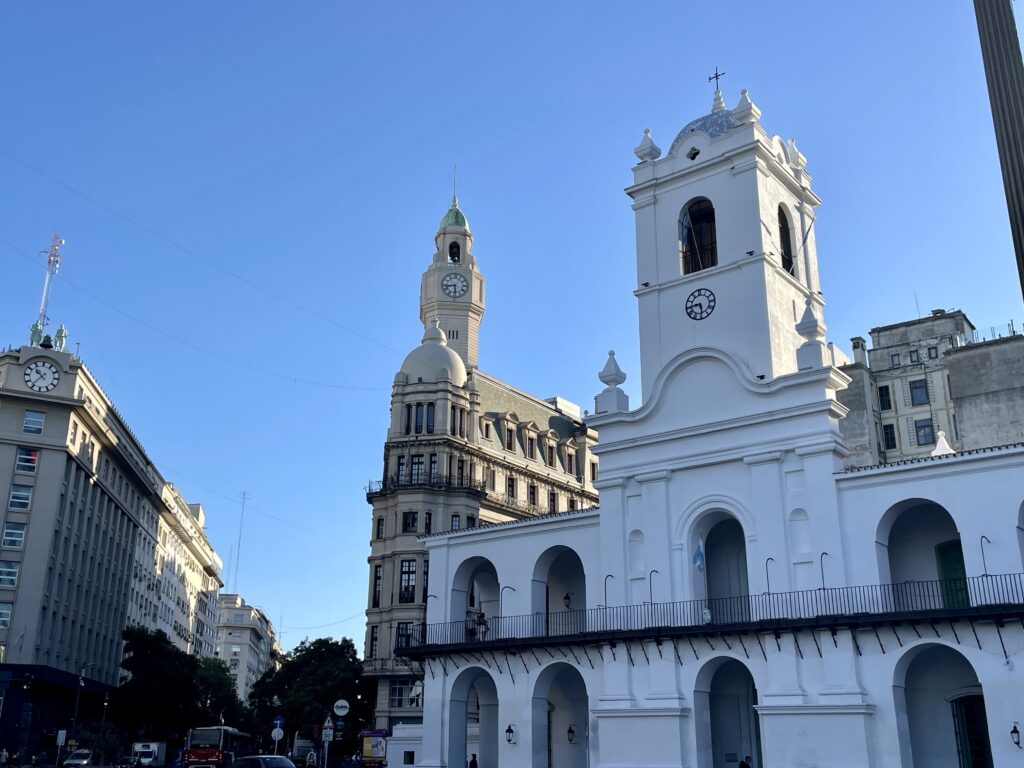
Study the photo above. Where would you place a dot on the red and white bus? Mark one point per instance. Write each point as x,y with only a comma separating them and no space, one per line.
216,746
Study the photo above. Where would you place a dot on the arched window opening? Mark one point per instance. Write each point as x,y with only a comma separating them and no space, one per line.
785,242
454,253
698,243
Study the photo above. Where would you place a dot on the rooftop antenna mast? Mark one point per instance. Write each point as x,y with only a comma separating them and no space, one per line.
52,265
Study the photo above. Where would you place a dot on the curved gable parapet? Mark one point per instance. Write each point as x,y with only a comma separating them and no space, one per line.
790,389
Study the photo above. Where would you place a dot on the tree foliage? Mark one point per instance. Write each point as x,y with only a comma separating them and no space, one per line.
170,691
303,691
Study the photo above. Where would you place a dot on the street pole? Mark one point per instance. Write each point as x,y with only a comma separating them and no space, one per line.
78,697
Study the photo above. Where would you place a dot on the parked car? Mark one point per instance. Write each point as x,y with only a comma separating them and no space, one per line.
262,761
80,758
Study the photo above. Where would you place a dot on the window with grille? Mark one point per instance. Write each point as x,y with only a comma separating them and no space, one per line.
410,521
401,693
407,582
456,522
21,497
698,242
33,423
919,392
925,432
417,468
884,398
889,436
378,580
14,535
26,460
374,642
785,241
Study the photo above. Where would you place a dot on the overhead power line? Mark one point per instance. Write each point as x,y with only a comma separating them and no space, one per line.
192,345
194,254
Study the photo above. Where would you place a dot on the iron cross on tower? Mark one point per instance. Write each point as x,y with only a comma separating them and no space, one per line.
716,77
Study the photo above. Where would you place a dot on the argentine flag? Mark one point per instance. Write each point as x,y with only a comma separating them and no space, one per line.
698,556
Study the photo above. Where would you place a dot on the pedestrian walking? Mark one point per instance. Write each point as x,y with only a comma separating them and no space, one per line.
472,762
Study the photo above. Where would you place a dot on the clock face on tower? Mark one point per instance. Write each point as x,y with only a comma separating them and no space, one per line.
454,285
700,304
41,376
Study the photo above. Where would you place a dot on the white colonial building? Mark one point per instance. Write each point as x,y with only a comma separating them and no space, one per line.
739,592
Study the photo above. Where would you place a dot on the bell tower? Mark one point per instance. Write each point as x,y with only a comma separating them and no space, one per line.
452,288
725,244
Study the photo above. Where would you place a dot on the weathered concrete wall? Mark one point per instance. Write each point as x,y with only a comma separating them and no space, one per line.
858,428
987,383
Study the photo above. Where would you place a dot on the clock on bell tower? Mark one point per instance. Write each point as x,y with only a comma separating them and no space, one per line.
452,288
726,258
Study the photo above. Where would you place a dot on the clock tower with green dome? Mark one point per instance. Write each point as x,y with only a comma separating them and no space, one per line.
452,289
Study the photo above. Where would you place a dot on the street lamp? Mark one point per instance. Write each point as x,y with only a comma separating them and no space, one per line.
608,576
501,594
767,578
78,697
821,565
982,542
650,584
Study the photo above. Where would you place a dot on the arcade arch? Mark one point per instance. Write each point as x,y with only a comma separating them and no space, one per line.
561,718
940,708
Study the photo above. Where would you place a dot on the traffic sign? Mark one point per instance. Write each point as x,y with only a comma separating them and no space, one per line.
61,738
278,722
327,734
328,722
277,734
341,708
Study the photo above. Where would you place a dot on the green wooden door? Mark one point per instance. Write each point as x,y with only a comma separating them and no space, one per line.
952,574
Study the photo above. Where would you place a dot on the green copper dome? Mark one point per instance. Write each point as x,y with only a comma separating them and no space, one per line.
454,217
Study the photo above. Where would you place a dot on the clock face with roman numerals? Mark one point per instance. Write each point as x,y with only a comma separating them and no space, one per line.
700,304
454,285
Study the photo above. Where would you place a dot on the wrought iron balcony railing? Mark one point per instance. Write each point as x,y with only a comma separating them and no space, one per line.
974,597
425,481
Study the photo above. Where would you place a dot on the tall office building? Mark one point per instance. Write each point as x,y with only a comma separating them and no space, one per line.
246,641
463,448
94,540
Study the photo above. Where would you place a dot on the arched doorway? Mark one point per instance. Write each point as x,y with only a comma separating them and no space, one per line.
728,726
561,719
919,553
475,596
473,719
559,591
722,570
938,698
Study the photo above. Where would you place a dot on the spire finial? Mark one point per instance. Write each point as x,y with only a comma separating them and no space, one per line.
718,103
455,175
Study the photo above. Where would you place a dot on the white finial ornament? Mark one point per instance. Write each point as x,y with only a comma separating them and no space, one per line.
942,446
611,375
647,149
718,103
746,111
612,399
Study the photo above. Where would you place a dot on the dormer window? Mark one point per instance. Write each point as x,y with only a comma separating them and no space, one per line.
698,243
454,253
785,242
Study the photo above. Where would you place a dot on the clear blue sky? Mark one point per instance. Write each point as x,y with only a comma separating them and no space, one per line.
258,184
